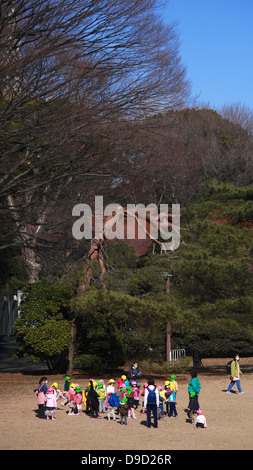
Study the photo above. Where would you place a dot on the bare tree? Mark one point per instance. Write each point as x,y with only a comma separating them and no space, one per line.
68,70
239,114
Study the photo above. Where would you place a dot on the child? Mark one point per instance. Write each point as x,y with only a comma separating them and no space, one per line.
110,387
126,382
101,397
172,402
166,384
66,391
58,394
200,421
66,385
123,410
173,381
120,383
77,401
122,393
120,390
95,385
92,397
50,403
109,392
71,392
161,400
41,397
85,401
136,392
167,392
130,403
103,382
142,395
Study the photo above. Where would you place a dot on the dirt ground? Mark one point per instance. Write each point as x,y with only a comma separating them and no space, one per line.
229,417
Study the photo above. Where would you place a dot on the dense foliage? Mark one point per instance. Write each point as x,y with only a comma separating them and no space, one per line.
42,329
94,100
209,306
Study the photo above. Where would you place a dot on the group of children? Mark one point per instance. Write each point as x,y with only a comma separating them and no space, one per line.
121,398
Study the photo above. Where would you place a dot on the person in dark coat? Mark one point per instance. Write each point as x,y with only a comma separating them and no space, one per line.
92,399
134,374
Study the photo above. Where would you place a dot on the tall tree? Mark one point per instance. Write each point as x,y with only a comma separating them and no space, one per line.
69,70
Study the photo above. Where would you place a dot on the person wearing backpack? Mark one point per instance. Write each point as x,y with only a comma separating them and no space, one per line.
151,402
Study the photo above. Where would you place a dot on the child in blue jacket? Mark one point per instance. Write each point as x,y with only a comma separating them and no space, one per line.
172,402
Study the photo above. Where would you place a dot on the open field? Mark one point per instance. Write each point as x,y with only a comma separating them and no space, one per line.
229,417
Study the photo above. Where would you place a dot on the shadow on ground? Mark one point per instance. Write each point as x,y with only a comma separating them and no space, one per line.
8,347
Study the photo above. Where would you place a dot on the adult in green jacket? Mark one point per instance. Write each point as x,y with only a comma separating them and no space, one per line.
235,375
194,384
193,390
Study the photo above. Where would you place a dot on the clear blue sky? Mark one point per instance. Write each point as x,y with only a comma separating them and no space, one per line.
216,48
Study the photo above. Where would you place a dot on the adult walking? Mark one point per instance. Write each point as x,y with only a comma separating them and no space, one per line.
41,392
235,375
194,388
151,403
134,374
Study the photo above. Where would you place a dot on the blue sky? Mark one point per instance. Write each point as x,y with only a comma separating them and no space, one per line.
216,48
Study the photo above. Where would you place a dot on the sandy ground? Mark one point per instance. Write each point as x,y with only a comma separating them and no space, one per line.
229,418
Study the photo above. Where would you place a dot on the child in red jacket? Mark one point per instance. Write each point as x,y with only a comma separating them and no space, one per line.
142,395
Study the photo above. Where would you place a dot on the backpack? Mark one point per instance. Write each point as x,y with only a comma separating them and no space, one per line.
229,367
151,396
113,400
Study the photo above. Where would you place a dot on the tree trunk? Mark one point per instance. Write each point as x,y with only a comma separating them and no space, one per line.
32,267
25,233
72,346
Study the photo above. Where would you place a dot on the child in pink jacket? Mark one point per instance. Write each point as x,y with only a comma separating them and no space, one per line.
77,402
51,403
136,392
71,395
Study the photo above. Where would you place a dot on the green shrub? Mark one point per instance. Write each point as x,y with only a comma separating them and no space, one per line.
89,361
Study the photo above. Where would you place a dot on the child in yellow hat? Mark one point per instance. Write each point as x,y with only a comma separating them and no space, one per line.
172,402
